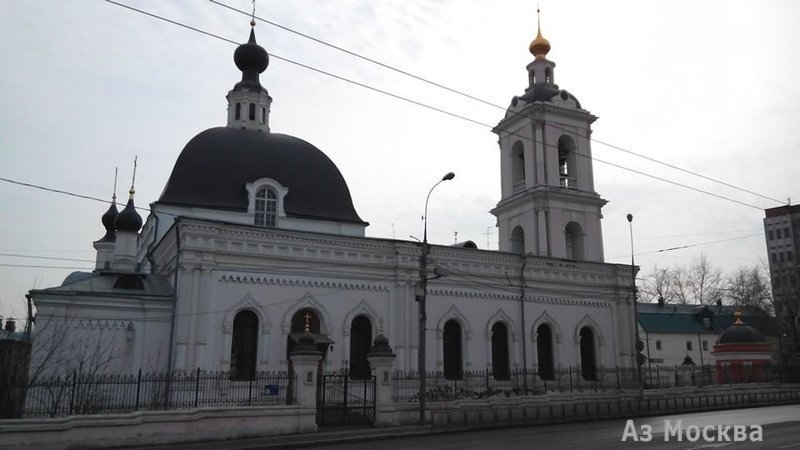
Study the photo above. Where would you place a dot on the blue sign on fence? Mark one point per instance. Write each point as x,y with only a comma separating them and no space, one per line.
271,389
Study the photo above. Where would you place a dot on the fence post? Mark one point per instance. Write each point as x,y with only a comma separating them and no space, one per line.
658,377
196,387
72,395
250,392
138,389
570,378
677,376
487,379
619,387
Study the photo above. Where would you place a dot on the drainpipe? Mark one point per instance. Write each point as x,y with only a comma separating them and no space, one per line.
524,329
149,254
171,350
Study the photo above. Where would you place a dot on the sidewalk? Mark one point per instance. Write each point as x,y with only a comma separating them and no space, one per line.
324,437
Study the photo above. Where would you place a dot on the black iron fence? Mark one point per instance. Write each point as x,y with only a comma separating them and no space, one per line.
478,384
102,394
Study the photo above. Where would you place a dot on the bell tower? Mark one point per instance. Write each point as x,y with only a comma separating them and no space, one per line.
548,205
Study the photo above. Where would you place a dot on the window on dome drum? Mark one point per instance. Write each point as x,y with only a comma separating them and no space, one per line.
658,345
252,111
451,344
501,369
544,351
266,208
360,342
518,240
238,111
588,359
244,345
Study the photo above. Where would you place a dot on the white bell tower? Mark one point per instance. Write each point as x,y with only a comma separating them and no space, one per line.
548,205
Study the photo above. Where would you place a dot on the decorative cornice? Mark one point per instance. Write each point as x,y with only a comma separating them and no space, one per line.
539,299
299,282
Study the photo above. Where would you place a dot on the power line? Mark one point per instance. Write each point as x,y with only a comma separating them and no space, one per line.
681,247
357,55
15,255
486,102
31,266
433,108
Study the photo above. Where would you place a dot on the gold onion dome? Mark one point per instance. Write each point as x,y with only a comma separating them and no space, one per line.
540,46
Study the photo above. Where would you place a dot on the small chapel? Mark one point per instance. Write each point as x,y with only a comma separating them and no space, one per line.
255,237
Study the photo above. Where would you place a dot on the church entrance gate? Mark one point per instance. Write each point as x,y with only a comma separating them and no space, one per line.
342,400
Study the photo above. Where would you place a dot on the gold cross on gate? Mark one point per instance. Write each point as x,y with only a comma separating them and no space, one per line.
308,319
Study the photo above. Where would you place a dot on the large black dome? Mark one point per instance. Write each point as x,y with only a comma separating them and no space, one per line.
214,167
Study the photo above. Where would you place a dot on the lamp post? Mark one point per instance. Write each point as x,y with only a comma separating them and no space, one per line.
423,284
637,341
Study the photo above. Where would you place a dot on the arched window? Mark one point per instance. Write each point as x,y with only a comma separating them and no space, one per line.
244,344
252,111
501,369
567,164
238,110
544,351
573,236
518,240
518,166
298,327
588,359
548,74
360,342
452,350
266,208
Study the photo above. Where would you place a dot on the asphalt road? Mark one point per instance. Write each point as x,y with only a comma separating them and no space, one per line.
781,430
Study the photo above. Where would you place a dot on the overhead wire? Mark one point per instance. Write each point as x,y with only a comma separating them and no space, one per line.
486,102
433,108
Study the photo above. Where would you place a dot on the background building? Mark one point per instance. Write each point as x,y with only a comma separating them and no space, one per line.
678,334
782,232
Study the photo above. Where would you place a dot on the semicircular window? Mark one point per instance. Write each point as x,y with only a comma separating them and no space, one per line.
129,282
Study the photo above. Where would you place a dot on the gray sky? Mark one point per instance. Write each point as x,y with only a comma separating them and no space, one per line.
710,86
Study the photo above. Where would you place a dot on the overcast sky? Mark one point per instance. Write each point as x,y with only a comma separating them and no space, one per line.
710,86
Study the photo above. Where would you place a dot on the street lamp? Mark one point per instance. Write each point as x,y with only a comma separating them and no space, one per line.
423,284
638,345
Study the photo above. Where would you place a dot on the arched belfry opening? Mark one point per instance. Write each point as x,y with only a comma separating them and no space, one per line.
588,357
518,166
518,240
244,346
574,240
501,367
360,342
567,162
453,355
544,352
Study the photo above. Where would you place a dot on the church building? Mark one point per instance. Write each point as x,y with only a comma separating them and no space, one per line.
255,235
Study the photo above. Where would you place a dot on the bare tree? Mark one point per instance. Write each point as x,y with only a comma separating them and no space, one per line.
750,286
69,349
700,283
658,284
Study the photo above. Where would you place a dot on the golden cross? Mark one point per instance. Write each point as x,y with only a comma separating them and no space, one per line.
308,319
